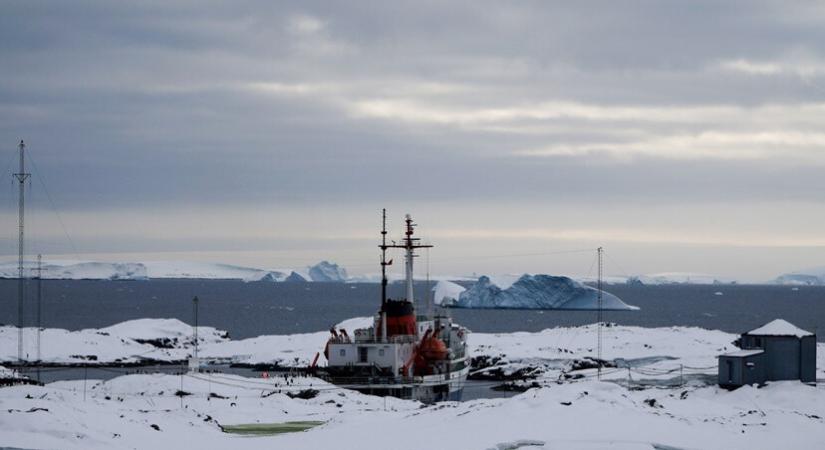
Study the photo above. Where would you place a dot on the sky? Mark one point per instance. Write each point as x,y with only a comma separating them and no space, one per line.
680,136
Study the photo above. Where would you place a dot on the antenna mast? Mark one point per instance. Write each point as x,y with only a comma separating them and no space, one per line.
410,244
21,177
600,251
39,306
384,262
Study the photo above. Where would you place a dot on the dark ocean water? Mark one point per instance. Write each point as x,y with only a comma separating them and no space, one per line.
252,309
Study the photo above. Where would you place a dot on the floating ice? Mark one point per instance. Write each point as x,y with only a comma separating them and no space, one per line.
529,292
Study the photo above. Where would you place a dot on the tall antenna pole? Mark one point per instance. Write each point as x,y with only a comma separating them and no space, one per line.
195,304
21,177
39,301
600,251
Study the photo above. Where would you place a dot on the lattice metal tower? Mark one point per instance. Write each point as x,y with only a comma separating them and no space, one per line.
21,177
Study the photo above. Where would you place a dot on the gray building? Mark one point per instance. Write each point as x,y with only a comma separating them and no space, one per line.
773,352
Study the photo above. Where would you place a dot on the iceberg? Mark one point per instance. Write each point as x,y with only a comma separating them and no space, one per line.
528,292
295,277
326,271
150,270
77,270
678,278
446,292
809,277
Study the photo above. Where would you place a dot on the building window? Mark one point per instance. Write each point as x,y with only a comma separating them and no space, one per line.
362,354
343,352
758,342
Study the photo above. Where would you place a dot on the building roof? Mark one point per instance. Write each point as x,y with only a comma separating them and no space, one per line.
744,353
779,327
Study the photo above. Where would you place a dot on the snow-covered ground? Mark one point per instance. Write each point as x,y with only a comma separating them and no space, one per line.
143,411
652,353
633,407
166,340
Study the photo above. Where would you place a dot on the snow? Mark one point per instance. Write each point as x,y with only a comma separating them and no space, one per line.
780,327
529,292
119,413
744,353
165,340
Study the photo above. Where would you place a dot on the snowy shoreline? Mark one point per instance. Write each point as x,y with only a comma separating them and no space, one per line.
547,354
657,393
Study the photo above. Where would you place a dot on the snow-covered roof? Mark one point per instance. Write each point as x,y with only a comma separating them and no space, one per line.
780,327
743,353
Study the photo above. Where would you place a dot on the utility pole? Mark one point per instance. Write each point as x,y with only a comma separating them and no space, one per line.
21,177
600,251
194,365
39,309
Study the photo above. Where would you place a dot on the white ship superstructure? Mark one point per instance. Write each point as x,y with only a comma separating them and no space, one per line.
402,354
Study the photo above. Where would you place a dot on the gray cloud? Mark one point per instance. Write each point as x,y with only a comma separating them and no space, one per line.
280,105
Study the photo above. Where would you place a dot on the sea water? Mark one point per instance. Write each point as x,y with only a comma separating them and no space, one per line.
258,308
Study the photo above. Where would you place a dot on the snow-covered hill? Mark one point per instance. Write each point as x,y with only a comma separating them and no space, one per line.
526,292
686,410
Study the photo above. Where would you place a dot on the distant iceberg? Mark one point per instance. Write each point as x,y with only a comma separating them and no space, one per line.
808,277
149,270
678,278
295,277
326,271
79,270
527,292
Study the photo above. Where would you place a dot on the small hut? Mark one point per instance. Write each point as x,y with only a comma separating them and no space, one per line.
775,351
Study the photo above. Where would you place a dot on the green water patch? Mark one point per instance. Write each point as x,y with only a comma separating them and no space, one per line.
269,429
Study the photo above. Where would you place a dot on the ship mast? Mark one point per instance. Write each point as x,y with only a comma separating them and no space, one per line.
21,177
384,262
409,245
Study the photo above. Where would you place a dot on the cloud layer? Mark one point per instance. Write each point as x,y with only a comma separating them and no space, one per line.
150,110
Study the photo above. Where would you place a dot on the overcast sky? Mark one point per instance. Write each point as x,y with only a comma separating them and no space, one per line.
681,136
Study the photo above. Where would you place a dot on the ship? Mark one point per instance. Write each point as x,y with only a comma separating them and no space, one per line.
403,354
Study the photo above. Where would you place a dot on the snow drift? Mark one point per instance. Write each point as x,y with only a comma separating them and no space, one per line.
528,292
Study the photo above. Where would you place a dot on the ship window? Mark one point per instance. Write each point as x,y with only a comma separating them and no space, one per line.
362,354
380,352
343,352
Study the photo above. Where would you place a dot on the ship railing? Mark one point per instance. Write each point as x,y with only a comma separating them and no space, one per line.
399,339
